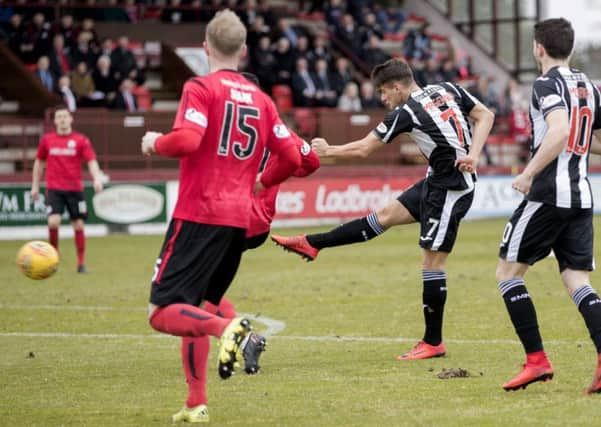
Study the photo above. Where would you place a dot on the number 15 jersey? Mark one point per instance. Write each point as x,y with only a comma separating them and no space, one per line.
563,182
236,121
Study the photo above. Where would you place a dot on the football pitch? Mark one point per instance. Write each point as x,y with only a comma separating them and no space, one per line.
76,350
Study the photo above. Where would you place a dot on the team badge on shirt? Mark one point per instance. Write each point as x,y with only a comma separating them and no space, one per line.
305,149
71,143
196,117
281,131
382,128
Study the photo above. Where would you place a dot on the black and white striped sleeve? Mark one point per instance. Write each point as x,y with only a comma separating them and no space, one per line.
396,122
466,100
597,98
547,96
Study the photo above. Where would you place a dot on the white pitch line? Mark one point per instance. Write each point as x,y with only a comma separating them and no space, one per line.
273,326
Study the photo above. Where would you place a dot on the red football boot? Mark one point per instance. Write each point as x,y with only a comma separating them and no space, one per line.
540,370
297,244
423,350
595,386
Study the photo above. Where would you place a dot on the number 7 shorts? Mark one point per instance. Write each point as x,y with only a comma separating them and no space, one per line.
439,212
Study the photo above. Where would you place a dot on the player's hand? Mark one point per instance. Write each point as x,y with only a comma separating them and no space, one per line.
35,193
98,186
320,146
467,164
522,183
258,185
148,141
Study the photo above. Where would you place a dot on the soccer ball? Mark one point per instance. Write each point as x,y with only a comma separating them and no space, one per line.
37,260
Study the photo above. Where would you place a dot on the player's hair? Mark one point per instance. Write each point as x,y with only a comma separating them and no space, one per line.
557,37
392,70
226,33
59,107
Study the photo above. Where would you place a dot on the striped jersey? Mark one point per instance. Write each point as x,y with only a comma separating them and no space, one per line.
436,118
563,182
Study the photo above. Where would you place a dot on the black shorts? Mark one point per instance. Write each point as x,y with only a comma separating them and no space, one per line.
536,228
255,241
439,212
57,200
197,263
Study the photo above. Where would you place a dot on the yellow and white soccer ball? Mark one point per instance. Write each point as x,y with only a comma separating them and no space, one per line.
37,260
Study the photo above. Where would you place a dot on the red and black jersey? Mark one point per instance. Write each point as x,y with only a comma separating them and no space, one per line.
235,121
63,155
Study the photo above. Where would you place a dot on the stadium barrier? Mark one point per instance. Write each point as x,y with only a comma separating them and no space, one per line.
145,208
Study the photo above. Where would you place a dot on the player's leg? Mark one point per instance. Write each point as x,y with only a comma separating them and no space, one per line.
440,213
195,353
574,253
55,208
78,212
527,238
397,212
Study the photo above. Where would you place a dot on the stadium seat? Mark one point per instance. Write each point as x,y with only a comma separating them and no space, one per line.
143,97
306,121
282,96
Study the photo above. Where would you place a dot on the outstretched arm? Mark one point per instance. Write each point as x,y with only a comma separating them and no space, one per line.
359,149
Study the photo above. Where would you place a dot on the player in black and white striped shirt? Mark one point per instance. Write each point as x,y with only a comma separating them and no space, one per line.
556,213
437,118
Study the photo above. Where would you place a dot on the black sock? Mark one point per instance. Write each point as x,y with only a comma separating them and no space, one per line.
434,297
589,305
358,230
522,313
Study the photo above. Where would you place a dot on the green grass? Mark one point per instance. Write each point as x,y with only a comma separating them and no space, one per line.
111,369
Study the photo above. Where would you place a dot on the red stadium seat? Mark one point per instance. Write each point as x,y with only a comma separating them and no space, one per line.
143,98
282,96
306,121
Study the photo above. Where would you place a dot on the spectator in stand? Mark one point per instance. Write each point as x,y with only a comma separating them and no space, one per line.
284,61
334,11
250,13
369,100
303,85
65,92
286,30
115,13
18,41
417,44
44,74
390,20
82,85
326,95
349,101
449,71
104,79
257,30
319,51
350,34
373,54
174,13
125,99
87,25
106,46
82,51
302,48
372,27
432,72
263,63
123,60
39,35
65,28
485,93
342,74
60,60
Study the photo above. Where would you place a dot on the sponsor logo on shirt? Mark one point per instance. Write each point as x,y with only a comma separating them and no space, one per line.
305,149
196,117
281,131
382,128
549,101
56,151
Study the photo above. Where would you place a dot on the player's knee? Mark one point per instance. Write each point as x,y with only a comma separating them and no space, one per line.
78,225
505,272
54,221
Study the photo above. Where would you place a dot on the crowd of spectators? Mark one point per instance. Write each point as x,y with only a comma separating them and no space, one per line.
73,62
